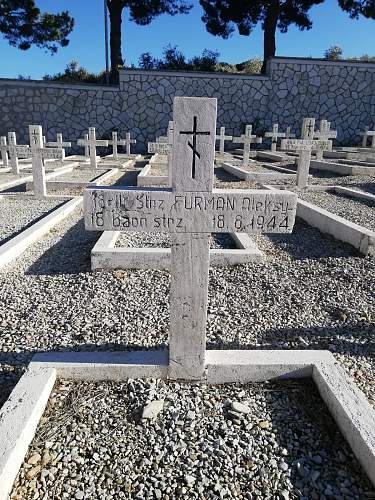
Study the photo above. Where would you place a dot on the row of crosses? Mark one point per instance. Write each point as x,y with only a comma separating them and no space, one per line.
11,152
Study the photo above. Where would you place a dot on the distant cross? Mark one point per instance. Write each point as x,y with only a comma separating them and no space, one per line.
247,139
275,134
92,144
325,133
59,143
195,133
368,133
190,211
129,142
39,153
87,149
222,138
288,135
115,142
4,151
16,151
304,146
308,127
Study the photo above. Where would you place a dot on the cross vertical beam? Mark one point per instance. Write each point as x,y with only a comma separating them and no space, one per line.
4,151
190,253
39,174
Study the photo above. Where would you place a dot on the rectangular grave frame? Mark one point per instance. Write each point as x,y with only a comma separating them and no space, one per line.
359,237
21,414
105,255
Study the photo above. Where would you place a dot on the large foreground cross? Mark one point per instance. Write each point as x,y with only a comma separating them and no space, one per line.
190,211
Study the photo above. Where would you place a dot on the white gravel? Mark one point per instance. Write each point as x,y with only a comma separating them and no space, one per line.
163,240
312,292
16,215
361,212
94,444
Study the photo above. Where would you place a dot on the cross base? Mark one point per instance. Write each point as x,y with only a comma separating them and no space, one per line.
25,407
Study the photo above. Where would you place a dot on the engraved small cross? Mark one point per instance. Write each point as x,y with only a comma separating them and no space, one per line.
193,146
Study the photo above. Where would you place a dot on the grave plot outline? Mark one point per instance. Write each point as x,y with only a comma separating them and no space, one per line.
21,414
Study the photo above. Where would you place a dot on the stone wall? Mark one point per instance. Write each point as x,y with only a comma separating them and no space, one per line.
342,92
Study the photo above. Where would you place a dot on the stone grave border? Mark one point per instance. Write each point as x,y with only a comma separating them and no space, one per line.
96,181
14,247
105,255
29,178
122,157
342,169
247,175
21,414
271,155
361,238
145,179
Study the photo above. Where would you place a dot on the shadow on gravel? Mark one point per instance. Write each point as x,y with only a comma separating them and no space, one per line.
31,223
306,242
127,179
366,186
360,338
70,255
224,176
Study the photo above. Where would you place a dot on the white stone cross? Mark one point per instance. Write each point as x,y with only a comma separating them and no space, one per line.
59,143
288,134
129,142
115,142
222,138
304,146
368,133
4,150
92,144
247,139
324,133
16,151
190,211
275,134
38,154
87,149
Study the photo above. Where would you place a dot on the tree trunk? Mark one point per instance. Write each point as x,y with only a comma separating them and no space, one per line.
115,16
270,25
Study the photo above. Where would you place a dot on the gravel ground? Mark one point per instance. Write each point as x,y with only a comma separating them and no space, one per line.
361,212
81,175
232,441
312,292
16,215
163,240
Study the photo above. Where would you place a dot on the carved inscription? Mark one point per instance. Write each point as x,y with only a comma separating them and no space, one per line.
159,147
56,154
303,144
224,211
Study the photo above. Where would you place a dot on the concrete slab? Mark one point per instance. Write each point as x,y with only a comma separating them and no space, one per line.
341,229
246,175
144,177
20,415
270,156
14,247
342,169
105,255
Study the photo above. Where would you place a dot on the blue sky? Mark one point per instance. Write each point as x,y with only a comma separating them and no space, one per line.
331,26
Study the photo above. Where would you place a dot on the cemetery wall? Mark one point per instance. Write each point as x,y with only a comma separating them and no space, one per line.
342,92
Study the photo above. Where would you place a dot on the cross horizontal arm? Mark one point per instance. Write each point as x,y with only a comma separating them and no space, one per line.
222,211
